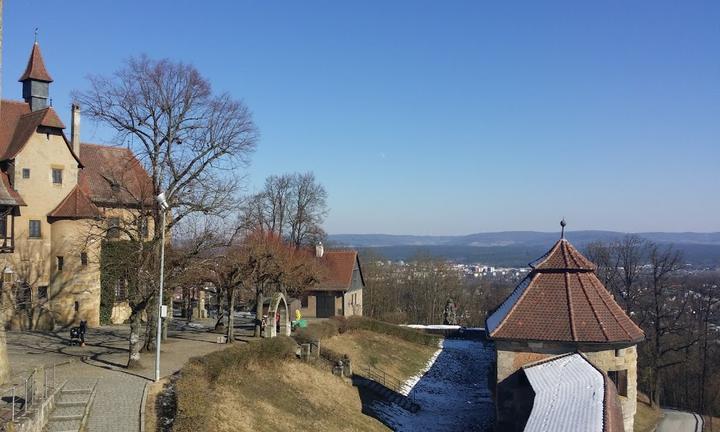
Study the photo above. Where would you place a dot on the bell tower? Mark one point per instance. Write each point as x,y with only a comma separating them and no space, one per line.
36,80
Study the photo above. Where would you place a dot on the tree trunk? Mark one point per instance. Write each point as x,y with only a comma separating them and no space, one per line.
151,327
258,310
135,344
4,363
231,317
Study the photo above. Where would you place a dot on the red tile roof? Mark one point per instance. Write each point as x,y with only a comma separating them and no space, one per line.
18,123
339,266
8,195
106,166
562,300
35,68
76,205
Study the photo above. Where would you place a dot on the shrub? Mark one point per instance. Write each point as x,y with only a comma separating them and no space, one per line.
341,322
317,331
404,333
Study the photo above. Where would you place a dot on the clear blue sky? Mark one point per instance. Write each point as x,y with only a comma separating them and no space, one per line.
437,117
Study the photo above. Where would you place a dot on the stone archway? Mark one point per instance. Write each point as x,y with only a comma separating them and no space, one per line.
278,304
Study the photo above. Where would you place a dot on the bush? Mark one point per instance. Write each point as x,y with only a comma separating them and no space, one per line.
404,333
341,322
317,331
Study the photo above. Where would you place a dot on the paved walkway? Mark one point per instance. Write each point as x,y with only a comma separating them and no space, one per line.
119,391
680,421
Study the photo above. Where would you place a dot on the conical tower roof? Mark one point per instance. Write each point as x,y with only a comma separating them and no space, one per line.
35,69
562,300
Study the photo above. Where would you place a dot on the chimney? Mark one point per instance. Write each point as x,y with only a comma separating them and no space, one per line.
319,250
75,129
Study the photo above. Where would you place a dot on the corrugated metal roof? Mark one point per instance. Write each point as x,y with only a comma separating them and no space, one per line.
569,395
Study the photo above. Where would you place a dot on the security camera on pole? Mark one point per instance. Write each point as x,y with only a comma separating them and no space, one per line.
164,206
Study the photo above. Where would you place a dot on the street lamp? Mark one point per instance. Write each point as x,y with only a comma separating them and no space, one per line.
164,206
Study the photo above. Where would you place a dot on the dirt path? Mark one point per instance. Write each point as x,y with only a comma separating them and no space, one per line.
453,394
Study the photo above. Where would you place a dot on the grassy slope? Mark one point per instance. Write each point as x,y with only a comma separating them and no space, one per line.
397,357
262,387
646,417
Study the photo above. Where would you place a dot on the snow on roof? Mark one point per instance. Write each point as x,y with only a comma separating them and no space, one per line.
501,312
569,395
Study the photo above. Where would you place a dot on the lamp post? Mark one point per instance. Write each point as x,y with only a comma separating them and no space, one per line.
162,201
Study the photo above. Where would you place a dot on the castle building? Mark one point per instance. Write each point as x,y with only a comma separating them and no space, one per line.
561,307
60,199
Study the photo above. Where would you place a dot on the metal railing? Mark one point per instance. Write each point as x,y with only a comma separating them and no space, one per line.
28,392
387,380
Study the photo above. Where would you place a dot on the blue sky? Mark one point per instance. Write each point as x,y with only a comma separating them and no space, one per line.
437,117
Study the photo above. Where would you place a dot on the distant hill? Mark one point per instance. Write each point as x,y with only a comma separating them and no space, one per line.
517,248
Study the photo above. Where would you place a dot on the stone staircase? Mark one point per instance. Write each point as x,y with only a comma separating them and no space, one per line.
72,407
386,394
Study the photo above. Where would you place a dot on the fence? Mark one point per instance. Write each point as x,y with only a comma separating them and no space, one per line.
387,380
17,399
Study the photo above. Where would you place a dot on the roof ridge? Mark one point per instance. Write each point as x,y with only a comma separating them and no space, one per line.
571,312
517,302
592,307
610,309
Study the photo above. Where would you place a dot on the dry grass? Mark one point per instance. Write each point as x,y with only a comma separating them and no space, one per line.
262,387
398,357
712,424
646,417
150,413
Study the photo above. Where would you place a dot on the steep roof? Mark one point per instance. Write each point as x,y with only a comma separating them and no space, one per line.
113,176
339,266
35,68
8,195
571,394
562,300
18,123
76,205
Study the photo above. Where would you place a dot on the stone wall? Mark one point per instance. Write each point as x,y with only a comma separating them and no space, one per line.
512,356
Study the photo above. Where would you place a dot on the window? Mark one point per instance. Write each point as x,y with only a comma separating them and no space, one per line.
26,173
144,227
57,175
43,293
120,290
35,229
83,259
113,227
24,296
619,377
60,263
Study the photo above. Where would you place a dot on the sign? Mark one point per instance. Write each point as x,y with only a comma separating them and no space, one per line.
163,311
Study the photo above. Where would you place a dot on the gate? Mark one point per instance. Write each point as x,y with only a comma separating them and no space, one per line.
325,306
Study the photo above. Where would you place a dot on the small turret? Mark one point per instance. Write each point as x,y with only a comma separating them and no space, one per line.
36,80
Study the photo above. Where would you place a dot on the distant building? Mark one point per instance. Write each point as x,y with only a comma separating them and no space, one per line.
561,307
340,290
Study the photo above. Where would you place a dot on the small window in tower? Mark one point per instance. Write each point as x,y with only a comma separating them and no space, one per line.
26,173
60,263
42,293
34,231
83,259
57,175
619,377
113,227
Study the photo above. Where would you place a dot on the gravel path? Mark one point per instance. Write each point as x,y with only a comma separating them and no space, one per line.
453,394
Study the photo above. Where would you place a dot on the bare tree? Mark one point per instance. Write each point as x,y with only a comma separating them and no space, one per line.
291,206
190,141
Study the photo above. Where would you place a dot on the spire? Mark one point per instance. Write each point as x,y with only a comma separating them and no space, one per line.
562,228
35,69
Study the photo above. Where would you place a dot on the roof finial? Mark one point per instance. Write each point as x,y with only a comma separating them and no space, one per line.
562,228
36,34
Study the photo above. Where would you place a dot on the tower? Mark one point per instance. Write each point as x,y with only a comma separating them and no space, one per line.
36,80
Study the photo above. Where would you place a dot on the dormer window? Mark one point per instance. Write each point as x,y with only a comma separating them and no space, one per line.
57,176
114,186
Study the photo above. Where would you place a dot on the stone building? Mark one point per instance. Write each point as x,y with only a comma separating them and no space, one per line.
340,290
60,199
562,307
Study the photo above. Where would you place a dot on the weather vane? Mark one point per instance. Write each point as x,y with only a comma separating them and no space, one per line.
36,34
562,227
